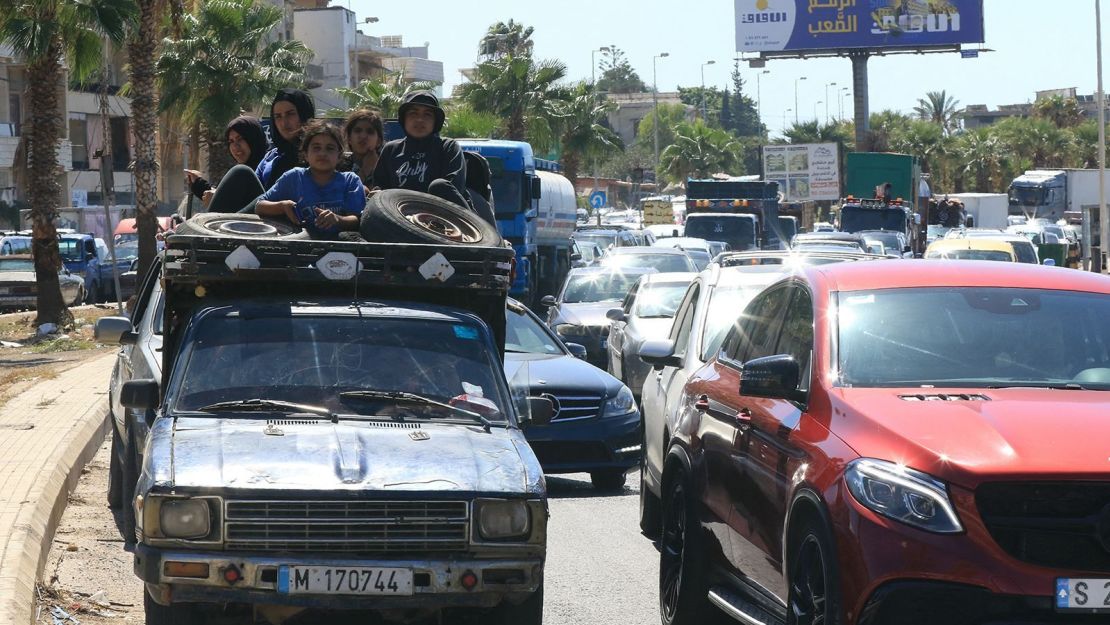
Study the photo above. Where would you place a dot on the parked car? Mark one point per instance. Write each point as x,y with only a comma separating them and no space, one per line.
15,243
646,314
661,259
872,445
89,257
605,238
588,253
595,427
19,286
577,314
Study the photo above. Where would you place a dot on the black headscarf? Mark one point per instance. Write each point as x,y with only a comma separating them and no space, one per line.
290,156
250,129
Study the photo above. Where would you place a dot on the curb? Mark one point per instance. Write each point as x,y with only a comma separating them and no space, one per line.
33,530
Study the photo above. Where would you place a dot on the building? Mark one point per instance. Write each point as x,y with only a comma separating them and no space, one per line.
632,108
979,116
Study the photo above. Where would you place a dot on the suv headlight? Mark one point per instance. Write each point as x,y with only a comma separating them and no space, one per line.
501,519
622,403
178,518
569,329
902,494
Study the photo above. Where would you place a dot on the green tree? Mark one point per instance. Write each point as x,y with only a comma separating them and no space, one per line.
519,90
939,108
617,75
1064,112
670,117
581,133
725,116
692,96
699,152
978,150
464,122
46,34
506,39
745,114
226,61
384,96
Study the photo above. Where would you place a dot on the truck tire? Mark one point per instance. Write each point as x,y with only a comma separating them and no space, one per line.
176,614
528,612
240,226
402,216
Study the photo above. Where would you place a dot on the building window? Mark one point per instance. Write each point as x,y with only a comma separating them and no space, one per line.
121,145
79,140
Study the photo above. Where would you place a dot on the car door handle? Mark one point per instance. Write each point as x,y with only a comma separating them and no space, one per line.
702,404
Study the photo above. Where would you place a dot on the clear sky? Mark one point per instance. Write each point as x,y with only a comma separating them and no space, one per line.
1038,44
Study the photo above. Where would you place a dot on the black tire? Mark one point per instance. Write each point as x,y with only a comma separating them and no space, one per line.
175,614
529,612
651,510
115,469
240,226
813,591
683,585
402,216
608,479
128,479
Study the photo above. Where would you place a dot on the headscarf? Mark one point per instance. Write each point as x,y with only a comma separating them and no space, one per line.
250,129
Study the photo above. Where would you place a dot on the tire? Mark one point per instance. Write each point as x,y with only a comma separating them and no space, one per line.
402,216
683,585
115,469
175,614
813,590
530,612
608,479
651,510
240,226
129,476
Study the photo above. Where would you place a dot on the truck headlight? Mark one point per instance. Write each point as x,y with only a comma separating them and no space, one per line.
620,404
501,519
902,494
184,518
569,329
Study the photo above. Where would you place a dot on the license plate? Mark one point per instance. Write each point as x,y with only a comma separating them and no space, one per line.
1088,595
344,580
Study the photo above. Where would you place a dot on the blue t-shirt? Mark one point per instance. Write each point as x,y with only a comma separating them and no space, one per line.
343,195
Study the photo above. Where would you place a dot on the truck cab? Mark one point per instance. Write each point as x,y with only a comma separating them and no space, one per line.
756,199
859,215
1039,193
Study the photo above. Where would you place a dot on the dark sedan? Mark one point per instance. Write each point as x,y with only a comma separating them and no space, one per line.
596,426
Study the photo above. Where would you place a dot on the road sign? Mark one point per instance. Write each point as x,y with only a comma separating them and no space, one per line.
597,199
969,54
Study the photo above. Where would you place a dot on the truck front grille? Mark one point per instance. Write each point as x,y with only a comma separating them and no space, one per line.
348,527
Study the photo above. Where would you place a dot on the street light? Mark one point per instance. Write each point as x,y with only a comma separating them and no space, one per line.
796,98
759,96
655,110
593,63
817,120
704,114
784,120
843,94
831,84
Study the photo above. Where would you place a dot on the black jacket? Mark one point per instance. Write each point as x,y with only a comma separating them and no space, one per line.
414,163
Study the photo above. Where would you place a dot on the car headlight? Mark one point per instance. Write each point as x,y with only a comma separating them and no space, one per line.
177,518
622,403
902,494
569,329
501,519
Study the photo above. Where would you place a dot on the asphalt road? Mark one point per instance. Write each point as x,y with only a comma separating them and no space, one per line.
600,569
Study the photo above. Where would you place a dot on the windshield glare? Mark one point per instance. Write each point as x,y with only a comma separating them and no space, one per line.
523,335
603,241
973,337
598,287
725,306
311,360
971,255
659,300
663,263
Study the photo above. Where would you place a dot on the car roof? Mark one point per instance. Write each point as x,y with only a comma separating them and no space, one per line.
952,273
973,243
669,277
578,271
828,236
642,250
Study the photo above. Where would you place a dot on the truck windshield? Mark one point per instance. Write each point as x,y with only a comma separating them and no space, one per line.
736,230
507,196
312,360
70,249
1027,196
855,219
917,336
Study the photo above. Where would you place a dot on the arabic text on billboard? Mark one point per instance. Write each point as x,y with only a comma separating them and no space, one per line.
788,25
804,172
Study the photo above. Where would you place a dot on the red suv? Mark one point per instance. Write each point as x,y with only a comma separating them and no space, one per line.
898,443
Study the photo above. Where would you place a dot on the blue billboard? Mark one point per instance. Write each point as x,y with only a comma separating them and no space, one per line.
803,25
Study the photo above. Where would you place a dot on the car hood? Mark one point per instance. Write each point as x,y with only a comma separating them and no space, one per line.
205,454
586,313
560,372
1014,433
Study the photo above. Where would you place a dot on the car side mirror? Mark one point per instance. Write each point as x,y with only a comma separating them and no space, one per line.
577,350
118,330
139,394
616,314
775,377
548,300
537,188
659,354
540,412
576,256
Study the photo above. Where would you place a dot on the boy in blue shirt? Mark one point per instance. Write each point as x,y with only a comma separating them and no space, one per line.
319,198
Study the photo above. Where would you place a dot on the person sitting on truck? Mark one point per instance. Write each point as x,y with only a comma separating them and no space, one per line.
422,160
365,136
247,144
317,197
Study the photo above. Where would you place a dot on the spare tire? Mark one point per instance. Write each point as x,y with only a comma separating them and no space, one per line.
240,226
402,216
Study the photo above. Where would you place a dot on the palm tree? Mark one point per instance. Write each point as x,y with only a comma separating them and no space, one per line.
384,96
581,134
938,107
1064,112
464,122
45,33
699,151
517,89
224,62
979,150
506,38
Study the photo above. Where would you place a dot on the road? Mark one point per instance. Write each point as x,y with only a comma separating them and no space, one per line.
600,569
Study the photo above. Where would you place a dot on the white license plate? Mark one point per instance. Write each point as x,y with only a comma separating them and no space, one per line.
1083,594
344,580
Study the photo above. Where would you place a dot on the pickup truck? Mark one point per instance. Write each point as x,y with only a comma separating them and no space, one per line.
332,431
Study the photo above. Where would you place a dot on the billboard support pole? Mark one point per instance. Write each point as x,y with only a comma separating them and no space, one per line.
859,98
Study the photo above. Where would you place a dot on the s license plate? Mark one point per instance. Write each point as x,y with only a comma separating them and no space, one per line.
343,580
1088,595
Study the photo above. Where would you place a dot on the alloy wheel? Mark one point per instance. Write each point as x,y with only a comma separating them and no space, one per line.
673,553
808,595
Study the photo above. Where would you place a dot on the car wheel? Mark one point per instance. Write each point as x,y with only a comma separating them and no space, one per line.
608,479
129,478
240,226
683,586
174,614
651,514
115,469
402,216
813,595
528,612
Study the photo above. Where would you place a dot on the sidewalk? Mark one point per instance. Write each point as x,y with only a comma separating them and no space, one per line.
47,434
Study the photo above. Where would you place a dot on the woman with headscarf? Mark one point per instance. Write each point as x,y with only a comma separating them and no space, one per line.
247,144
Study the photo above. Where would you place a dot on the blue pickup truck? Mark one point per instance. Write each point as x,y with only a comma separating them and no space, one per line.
89,257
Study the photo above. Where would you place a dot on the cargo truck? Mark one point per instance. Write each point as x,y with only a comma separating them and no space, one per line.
757,198
1055,194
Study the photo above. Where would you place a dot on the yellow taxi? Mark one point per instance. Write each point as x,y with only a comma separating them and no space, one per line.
972,249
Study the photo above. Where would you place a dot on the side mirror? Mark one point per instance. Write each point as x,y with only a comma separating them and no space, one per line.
616,314
575,256
970,223
540,412
139,394
659,354
774,376
118,330
577,350
537,188
917,219
548,300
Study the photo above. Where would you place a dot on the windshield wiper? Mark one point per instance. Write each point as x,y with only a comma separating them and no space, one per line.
413,398
1056,386
246,405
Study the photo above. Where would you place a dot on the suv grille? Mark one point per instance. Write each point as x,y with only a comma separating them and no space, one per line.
351,527
1054,524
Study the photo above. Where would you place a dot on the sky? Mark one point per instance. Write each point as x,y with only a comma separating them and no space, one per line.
1037,45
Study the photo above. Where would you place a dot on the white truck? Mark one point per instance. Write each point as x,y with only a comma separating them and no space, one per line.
986,210
1055,194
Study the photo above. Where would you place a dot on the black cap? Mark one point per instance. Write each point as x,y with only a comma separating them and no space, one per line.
423,98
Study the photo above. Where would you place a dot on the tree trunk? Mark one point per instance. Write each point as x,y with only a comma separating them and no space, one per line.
141,50
571,164
43,79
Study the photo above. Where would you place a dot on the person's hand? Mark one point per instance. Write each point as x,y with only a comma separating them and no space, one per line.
191,175
289,207
206,198
325,218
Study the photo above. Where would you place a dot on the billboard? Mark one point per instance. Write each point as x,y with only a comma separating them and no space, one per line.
807,25
809,171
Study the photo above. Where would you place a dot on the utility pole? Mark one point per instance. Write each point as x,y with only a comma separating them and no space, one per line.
759,96
655,113
106,177
704,113
831,84
1104,218
593,86
796,81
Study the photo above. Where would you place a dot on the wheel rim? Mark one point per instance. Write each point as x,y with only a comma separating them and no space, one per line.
808,596
243,227
446,226
672,553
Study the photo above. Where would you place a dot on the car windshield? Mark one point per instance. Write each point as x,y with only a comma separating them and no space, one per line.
70,249
16,264
127,250
312,360
971,255
973,337
1025,251
598,287
524,336
701,259
663,263
659,300
602,240
890,240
